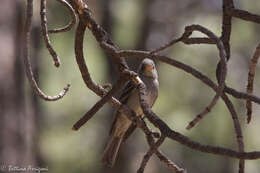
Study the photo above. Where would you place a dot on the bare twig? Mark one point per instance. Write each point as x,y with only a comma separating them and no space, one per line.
170,43
244,15
46,36
27,63
250,84
198,40
69,26
238,130
226,25
241,95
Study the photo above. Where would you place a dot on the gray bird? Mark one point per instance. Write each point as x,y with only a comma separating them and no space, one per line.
122,127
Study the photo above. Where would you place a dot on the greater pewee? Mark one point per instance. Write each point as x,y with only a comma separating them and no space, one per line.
122,127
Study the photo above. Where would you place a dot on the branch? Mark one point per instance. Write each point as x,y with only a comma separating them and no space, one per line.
238,130
244,15
226,25
46,36
250,84
28,67
170,43
241,95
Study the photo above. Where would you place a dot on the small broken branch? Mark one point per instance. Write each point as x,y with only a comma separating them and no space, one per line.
46,36
250,84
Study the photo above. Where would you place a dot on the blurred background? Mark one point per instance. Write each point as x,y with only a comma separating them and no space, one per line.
36,132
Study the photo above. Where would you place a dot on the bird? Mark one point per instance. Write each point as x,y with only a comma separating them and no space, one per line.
122,127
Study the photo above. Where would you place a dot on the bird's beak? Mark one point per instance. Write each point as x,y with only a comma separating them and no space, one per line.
148,67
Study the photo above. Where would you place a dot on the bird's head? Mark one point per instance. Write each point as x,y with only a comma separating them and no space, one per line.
147,69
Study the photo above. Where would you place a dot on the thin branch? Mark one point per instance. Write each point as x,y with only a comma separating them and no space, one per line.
169,163
238,130
170,43
73,20
198,40
250,84
45,34
79,38
241,95
245,15
194,40
226,25
28,67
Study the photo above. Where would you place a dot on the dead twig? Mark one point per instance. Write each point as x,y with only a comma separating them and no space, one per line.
250,84
45,34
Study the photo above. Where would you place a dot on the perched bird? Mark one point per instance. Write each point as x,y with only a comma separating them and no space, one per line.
122,127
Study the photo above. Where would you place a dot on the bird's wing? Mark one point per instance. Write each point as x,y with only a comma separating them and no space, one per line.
128,89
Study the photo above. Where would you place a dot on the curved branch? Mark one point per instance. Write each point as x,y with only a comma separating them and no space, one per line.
79,38
223,67
69,26
27,63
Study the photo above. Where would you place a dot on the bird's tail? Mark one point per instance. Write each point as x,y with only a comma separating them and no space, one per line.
111,150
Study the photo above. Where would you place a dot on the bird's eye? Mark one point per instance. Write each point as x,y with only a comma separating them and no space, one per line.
143,68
